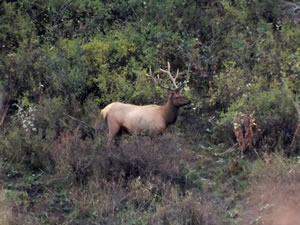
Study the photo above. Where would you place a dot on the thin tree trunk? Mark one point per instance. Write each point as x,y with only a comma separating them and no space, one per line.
5,111
295,134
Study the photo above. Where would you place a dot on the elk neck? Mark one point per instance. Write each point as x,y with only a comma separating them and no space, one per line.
170,112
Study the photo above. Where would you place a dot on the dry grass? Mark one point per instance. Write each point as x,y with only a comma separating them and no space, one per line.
184,209
140,181
76,160
5,210
149,201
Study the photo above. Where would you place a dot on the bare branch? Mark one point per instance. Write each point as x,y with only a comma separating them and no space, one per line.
5,111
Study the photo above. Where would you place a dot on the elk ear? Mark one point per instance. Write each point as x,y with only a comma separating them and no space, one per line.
178,90
171,94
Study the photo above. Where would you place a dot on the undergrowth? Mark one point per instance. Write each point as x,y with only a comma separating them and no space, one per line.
143,180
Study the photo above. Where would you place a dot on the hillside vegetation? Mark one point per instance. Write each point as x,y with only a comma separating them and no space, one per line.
232,157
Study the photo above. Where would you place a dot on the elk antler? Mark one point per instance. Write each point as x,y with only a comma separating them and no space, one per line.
170,75
173,79
155,81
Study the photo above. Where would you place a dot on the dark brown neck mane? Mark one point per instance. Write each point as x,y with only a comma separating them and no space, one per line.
170,112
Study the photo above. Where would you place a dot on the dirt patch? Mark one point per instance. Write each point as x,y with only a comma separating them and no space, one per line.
275,201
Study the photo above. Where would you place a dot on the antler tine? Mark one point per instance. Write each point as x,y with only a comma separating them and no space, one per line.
154,80
149,75
177,74
170,75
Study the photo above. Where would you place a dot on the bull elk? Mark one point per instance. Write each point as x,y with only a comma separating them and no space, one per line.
148,118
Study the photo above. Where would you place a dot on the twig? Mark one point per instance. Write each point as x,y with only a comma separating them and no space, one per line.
297,106
5,111
78,120
295,134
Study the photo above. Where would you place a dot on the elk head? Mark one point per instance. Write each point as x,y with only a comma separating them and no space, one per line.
175,97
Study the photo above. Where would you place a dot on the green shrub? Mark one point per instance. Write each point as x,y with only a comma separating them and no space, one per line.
228,86
51,118
67,71
118,73
15,27
28,151
272,111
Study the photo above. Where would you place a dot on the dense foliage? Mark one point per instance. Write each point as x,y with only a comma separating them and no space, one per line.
62,61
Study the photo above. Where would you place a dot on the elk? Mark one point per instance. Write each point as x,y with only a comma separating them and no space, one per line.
137,119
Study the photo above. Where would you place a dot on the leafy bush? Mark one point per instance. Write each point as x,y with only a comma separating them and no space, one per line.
15,27
51,118
118,72
25,150
67,72
272,110
227,87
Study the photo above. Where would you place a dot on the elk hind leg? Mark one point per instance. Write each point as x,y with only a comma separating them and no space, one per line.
113,129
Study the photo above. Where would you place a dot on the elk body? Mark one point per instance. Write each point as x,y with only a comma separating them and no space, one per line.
153,119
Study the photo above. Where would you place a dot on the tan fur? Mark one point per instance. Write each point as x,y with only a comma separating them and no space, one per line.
136,119
106,109
151,119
